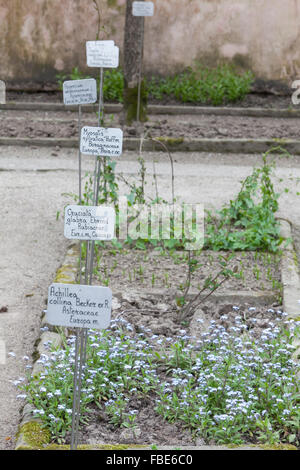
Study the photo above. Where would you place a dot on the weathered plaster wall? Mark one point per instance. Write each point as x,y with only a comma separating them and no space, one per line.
38,38
261,34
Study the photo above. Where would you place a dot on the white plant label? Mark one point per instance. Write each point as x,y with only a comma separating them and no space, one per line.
78,92
102,54
2,92
100,141
143,9
295,96
89,223
79,306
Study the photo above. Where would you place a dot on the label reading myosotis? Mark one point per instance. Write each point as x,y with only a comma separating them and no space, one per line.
100,141
79,306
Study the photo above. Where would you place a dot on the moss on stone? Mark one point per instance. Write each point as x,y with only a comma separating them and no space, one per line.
34,435
280,140
295,257
278,447
94,446
65,447
131,104
171,140
64,279
63,275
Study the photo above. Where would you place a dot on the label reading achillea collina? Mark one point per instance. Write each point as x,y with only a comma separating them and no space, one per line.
79,306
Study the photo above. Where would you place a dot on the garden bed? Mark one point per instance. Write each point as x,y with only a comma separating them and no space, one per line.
196,352
218,380
141,423
125,269
222,375
62,124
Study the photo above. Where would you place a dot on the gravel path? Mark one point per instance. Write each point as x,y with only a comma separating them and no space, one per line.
32,247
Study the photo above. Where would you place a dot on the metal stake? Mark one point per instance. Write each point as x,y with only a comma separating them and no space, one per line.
75,396
101,106
77,375
82,334
140,72
79,187
79,155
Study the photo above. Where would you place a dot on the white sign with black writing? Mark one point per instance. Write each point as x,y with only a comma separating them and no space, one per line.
89,223
78,92
79,306
100,141
143,9
102,54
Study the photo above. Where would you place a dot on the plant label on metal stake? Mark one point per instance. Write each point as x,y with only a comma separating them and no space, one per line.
143,9
102,54
89,223
100,141
79,306
80,92
75,305
2,92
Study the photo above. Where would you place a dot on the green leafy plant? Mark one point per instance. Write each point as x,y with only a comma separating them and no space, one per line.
249,221
195,85
229,386
202,85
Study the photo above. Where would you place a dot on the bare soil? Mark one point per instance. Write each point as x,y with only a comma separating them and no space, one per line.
65,125
37,124
139,270
252,100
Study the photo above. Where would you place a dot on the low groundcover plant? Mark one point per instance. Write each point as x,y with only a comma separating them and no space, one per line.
197,84
226,386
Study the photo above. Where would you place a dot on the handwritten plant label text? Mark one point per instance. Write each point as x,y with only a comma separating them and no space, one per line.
100,141
143,9
102,54
79,306
89,222
78,92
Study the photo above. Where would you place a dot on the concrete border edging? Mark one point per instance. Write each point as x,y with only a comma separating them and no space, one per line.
224,146
159,109
68,273
290,279
290,274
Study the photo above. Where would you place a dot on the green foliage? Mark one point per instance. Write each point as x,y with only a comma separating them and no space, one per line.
202,85
249,221
112,82
195,85
230,387
131,103
113,85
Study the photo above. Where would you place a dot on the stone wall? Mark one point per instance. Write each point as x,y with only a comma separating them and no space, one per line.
39,38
